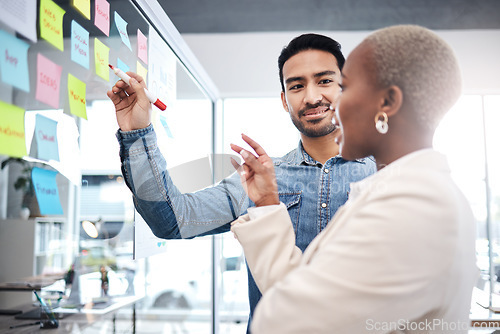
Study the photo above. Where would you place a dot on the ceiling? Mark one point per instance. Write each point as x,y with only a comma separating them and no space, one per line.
232,16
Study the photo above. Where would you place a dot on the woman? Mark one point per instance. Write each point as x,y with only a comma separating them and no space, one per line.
399,255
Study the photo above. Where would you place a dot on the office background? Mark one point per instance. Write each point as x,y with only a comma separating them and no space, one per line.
236,45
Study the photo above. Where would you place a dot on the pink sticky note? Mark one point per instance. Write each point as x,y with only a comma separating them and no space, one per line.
48,81
102,16
142,46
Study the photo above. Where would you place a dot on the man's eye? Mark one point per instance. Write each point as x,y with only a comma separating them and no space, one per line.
295,87
325,81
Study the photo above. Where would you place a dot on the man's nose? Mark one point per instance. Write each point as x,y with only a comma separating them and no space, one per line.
313,95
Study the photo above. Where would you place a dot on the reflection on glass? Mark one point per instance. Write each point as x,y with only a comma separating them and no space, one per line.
469,137
492,136
460,136
264,120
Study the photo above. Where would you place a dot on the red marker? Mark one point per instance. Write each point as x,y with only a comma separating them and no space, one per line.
125,77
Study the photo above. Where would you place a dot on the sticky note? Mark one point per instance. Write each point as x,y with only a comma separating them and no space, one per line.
12,139
163,121
51,19
76,96
79,44
14,61
101,59
142,71
48,81
20,16
46,191
142,46
102,16
121,26
83,6
46,138
122,66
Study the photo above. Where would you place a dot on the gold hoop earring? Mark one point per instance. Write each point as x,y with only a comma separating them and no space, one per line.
381,124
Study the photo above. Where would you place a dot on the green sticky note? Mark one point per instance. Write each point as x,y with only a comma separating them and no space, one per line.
83,6
142,71
76,96
101,59
12,139
51,19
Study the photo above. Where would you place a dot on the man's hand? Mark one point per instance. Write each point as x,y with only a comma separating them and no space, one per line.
257,174
133,109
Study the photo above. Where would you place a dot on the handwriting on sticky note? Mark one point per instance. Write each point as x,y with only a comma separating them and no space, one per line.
48,81
102,16
76,95
79,44
101,59
47,194
121,26
51,19
12,138
46,138
14,61
142,46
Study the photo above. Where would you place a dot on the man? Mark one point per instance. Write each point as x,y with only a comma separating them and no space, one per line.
313,180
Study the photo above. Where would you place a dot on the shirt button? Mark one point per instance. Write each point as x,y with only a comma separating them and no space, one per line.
326,170
323,205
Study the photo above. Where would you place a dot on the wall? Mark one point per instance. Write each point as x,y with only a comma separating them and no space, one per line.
245,64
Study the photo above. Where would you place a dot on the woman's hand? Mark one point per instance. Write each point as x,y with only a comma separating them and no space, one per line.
133,109
257,174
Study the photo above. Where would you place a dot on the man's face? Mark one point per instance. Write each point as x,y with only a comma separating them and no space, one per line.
311,80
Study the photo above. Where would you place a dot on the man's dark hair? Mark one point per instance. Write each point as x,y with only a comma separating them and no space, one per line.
309,42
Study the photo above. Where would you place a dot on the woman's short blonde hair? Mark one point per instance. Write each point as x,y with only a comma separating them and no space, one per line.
422,65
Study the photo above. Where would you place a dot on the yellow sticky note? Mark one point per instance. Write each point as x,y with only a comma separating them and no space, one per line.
51,19
83,6
101,59
142,71
12,142
76,96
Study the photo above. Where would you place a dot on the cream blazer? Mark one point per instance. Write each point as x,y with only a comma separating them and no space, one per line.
398,257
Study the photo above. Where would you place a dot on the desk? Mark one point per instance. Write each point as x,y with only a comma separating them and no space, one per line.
31,283
74,319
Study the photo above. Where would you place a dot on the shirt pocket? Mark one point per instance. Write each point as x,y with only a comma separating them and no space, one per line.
292,203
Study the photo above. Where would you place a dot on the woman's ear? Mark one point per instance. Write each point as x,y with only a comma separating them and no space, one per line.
392,100
283,100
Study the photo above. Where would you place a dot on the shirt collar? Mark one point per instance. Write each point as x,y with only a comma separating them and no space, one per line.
303,157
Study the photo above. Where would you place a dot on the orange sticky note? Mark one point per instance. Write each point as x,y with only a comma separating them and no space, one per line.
101,59
51,19
12,142
76,96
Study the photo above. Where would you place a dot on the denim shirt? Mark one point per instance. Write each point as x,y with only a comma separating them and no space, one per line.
311,191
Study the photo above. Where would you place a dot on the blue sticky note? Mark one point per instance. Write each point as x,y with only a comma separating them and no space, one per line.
121,25
163,121
121,65
14,61
79,44
47,194
46,138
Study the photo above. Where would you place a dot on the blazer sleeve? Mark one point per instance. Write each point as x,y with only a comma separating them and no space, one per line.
272,254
